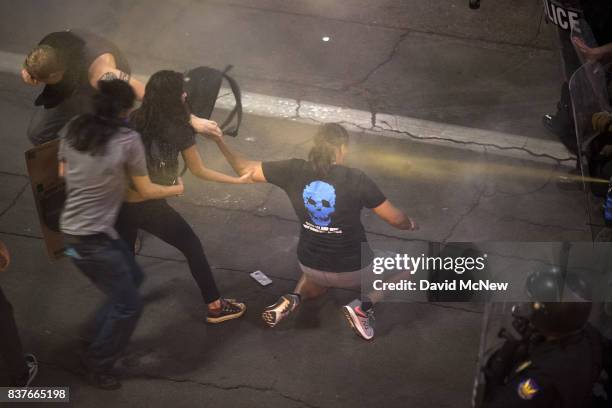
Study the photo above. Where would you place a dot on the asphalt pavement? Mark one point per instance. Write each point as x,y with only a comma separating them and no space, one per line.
438,61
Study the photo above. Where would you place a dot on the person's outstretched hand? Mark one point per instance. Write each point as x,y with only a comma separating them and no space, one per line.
412,225
590,54
247,177
205,127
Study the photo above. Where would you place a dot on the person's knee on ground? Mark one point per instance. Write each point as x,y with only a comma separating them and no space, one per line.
307,289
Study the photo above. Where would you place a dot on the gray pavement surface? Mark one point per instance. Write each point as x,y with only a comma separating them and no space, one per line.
495,69
423,355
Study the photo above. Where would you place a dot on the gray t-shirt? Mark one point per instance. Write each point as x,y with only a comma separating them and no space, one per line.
96,185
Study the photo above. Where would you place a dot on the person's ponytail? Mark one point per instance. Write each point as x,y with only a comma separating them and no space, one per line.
90,132
328,140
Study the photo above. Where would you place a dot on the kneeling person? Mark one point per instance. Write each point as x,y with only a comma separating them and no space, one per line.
328,198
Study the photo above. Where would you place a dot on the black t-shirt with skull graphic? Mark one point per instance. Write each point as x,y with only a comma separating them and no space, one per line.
329,210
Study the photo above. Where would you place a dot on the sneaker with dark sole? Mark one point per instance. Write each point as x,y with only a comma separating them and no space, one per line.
230,309
285,304
361,322
32,365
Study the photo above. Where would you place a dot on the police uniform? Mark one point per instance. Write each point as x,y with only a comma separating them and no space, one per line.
566,15
558,373
58,103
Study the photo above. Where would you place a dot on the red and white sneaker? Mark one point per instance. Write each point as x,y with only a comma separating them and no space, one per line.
361,321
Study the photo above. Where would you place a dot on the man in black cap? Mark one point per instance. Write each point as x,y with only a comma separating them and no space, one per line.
557,359
69,64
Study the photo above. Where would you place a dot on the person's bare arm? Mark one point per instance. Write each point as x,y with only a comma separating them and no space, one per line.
104,68
194,163
395,217
240,164
151,191
601,53
144,186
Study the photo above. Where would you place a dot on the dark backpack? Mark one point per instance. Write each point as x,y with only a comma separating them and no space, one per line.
202,85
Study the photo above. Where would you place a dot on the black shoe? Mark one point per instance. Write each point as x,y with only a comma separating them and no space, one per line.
99,379
230,309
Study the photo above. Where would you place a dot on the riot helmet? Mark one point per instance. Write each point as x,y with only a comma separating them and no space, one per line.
561,303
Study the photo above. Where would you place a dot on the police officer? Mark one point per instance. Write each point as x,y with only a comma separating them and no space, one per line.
69,64
565,15
557,358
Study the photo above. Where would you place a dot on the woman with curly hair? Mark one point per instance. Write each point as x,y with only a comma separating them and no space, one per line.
168,129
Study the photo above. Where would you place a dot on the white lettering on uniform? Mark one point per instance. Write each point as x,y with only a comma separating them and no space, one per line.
552,15
565,18
573,19
561,18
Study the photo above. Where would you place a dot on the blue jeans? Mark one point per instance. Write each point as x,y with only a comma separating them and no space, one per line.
111,267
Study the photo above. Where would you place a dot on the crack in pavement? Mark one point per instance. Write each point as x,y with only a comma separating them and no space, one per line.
228,387
8,173
387,60
76,373
17,234
14,201
378,128
373,111
481,193
510,218
470,143
497,190
298,106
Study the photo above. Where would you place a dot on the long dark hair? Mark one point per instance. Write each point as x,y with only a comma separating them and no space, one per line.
327,141
90,132
161,106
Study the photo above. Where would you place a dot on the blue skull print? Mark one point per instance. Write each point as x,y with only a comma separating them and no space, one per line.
320,201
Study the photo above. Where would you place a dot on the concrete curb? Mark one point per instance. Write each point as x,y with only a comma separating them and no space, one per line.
394,126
